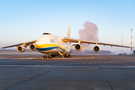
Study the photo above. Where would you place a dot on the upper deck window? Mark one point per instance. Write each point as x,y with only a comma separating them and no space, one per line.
46,34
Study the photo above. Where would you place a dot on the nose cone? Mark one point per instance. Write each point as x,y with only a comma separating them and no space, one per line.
39,45
46,42
46,38
43,40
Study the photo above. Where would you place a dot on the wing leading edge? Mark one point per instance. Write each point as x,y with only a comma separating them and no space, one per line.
26,43
92,42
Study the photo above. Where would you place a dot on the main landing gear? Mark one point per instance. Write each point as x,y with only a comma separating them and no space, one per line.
47,57
67,55
50,56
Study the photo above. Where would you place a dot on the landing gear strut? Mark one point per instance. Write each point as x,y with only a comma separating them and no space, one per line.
67,55
46,57
50,56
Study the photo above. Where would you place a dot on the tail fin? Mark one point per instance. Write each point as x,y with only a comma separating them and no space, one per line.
68,35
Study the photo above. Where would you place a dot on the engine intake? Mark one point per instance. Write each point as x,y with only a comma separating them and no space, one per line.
96,48
32,47
78,47
21,49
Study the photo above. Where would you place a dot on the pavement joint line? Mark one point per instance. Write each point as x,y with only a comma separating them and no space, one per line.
107,79
32,78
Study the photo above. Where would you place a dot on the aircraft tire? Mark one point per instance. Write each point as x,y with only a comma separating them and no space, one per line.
44,57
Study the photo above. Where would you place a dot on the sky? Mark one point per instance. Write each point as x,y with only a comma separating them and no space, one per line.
26,20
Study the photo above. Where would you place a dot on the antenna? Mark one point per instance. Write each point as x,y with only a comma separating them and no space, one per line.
131,41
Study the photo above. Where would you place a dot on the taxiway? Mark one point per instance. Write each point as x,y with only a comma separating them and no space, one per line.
80,72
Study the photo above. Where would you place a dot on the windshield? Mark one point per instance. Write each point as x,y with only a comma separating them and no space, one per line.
46,33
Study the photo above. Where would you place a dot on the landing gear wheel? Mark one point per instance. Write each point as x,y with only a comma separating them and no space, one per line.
68,55
44,57
50,56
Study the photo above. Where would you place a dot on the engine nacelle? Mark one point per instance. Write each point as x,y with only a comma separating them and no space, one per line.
78,47
96,48
20,49
32,47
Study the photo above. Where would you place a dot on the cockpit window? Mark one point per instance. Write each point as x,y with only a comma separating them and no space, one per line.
46,33
52,40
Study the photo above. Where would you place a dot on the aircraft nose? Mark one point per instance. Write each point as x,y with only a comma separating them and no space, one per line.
38,45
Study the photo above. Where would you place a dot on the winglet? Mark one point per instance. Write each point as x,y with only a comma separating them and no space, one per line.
68,35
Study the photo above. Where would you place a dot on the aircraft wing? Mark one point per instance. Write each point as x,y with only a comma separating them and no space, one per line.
92,42
26,43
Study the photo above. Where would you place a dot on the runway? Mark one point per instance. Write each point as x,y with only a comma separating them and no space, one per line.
80,72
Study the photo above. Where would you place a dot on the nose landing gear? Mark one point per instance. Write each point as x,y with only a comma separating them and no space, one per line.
44,57
47,57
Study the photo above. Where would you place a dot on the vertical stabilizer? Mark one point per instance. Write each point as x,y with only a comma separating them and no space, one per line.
68,35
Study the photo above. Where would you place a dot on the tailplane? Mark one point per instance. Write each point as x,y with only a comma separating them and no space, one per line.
68,35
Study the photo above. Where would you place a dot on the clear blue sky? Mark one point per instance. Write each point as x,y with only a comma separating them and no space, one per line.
26,20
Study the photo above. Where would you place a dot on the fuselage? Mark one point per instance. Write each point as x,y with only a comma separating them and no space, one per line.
51,44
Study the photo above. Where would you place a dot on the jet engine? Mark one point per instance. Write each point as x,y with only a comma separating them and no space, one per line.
78,47
20,49
96,48
32,47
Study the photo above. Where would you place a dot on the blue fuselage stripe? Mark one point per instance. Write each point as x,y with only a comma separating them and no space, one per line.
48,48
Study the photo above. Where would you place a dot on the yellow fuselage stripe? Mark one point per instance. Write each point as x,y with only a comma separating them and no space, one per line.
47,45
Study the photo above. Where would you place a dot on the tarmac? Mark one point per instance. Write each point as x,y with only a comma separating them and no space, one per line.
80,72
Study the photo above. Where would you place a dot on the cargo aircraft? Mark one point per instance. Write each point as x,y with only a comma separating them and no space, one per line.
51,45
